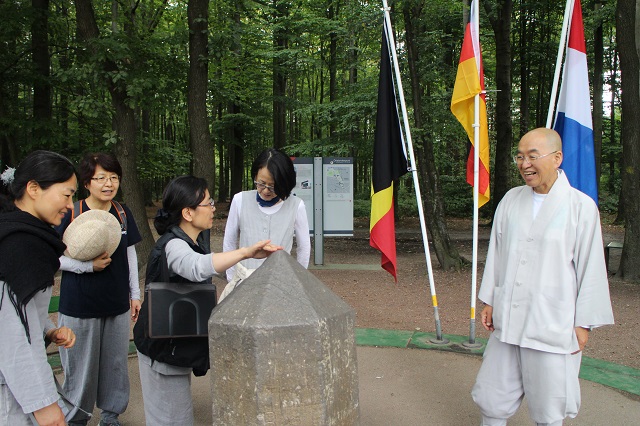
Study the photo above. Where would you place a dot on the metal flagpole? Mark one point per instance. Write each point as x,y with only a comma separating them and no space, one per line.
475,25
414,172
568,11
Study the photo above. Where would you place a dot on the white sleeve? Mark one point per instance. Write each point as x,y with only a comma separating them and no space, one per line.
593,302
76,266
134,283
183,261
232,230
303,241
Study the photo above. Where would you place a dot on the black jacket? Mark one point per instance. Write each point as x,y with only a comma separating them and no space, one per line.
185,351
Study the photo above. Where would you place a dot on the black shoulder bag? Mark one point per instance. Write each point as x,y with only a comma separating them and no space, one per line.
178,309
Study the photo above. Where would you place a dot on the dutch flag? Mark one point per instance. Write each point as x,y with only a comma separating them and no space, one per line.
573,114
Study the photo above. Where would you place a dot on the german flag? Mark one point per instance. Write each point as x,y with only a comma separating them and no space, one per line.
389,163
469,83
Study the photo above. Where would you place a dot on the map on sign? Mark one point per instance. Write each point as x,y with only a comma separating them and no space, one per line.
338,181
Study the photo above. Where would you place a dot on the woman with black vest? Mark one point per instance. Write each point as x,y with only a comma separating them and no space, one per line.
166,364
33,197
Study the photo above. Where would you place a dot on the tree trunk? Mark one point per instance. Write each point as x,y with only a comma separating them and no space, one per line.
525,63
332,9
9,155
147,188
236,161
281,10
63,97
236,134
124,124
628,38
501,24
433,204
223,159
42,65
612,120
8,148
202,147
354,131
598,77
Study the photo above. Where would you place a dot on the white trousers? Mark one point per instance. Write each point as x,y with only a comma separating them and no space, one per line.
509,372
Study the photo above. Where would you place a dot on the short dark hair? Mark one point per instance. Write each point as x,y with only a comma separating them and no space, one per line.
181,192
91,161
44,167
281,168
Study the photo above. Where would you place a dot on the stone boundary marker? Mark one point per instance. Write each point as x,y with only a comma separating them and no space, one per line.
283,351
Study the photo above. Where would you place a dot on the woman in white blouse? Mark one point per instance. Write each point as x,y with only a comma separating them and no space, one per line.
269,212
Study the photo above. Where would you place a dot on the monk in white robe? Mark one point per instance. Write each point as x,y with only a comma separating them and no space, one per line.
544,288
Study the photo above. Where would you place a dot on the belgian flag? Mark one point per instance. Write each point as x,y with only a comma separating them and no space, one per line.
389,163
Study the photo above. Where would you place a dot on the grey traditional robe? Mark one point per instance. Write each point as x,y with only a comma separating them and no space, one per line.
544,277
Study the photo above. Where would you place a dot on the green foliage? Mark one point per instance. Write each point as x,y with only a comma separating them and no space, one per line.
155,167
406,206
361,208
608,202
328,56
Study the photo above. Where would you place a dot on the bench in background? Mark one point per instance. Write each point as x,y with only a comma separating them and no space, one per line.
607,248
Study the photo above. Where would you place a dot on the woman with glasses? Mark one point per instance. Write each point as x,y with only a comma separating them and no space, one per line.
98,299
270,211
166,364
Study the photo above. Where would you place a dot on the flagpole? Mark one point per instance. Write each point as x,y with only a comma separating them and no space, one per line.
414,172
568,10
476,185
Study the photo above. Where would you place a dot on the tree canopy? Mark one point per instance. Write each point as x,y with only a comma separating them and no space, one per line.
198,86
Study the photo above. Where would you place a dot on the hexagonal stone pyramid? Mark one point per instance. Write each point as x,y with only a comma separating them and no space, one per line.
282,349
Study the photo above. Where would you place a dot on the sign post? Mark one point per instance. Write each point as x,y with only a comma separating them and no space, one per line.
325,184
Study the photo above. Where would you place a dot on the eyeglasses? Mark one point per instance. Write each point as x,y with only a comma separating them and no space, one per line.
104,179
519,159
262,186
209,204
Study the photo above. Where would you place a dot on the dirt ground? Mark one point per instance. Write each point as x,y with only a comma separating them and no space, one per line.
380,303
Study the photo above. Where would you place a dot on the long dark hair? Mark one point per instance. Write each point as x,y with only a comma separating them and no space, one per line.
181,192
44,167
281,168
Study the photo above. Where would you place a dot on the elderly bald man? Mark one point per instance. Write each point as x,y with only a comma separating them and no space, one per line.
544,288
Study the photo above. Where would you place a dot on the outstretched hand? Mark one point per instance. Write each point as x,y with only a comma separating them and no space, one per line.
261,249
